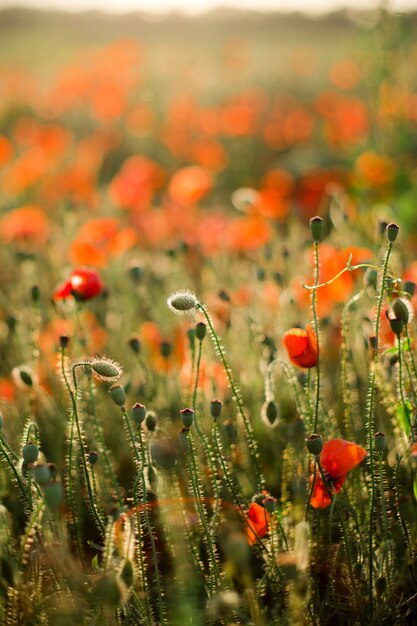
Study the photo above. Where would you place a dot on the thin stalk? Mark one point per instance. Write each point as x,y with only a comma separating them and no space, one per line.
401,386
316,330
236,395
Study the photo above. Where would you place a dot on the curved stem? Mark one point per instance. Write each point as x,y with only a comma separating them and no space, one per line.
316,330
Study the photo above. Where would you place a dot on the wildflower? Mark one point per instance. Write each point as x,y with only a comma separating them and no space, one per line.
337,458
258,522
83,283
301,346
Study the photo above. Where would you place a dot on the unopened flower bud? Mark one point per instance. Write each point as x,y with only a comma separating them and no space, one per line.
271,411
380,441
314,444
150,421
270,504
410,287
392,232
200,331
187,417
106,369
136,273
316,227
138,413
163,454
36,294
118,395
64,341
401,311
166,349
30,453
216,408
182,302
397,325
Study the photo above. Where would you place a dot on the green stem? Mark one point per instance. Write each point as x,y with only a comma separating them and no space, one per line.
236,395
348,268
401,386
316,330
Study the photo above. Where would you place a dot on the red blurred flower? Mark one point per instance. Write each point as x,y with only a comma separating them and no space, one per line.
337,458
83,283
301,346
258,522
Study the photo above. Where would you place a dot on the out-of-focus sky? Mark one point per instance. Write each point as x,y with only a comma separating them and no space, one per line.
197,6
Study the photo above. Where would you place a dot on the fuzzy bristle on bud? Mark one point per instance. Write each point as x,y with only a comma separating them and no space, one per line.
106,369
182,302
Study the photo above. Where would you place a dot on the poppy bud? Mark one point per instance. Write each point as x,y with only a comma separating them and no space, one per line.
163,454
150,421
187,416
127,574
200,331
271,411
138,413
93,457
182,302
64,342
270,504
392,232
316,227
410,287
42,473
397,325
380,441
136,273
134,343
25,375
118,395
106,369
216,408
314,444
401,311
30,453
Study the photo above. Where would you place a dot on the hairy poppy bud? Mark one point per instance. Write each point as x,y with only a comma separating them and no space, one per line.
216,408
314,444
118,395
187,416
182,302
397,325
106,369
271,411
30,452
200,331
401,311
316,227
392,232
138,413
410,287
64,342
150,421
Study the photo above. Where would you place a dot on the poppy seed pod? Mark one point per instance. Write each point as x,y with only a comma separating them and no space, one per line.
316,228
118,395
182,302
134,343
138,413
93,457
380,441
187,417
271,411
216,408
30,452
392,232
200,331
163,454
150,421
314,444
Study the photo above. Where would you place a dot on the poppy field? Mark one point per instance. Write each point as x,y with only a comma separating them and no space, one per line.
208,364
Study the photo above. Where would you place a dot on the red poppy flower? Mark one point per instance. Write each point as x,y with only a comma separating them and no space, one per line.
258,522
337,458
301,346
84,283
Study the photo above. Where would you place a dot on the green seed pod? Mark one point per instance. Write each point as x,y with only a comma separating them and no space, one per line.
200,331
187,417
314,444
41,473
380,441
316,228
106,369
118,395
53,494
166,349
216,408
30,453
138,412
392,232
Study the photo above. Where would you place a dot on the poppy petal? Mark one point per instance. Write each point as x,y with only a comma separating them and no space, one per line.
296,342
339,457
